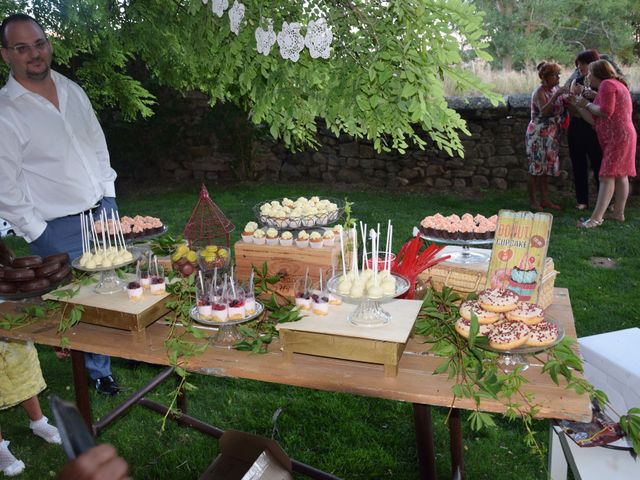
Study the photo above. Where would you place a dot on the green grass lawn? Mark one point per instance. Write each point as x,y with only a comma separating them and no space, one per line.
353,437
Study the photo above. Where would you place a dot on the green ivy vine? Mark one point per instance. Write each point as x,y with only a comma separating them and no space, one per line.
478,376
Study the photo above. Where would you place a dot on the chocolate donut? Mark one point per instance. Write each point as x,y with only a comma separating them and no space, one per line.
29,261
33,285
61,258
47,269
6,287
19,274
60,274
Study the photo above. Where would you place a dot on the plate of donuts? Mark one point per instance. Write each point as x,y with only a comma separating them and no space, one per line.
508,325
32,276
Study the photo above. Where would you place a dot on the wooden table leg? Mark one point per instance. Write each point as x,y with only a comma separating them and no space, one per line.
455,444
81,385
424,441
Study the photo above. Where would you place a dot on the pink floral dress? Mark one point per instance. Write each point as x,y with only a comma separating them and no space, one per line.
542,139
615,130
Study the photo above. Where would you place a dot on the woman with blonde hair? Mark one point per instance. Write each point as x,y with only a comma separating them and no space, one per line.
543,134
610,113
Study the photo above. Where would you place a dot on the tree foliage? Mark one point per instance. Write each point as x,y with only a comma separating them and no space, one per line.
527,31
384,77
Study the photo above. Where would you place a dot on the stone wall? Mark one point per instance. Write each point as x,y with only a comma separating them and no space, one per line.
188,141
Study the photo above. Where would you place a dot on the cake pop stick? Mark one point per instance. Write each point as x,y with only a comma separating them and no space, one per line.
321,287
104,227
386,247
82,237
363,232
344,263
94,234
124,244
201,280
306,279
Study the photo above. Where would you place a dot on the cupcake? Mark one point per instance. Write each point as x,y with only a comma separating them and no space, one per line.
286,239
315,240
134,291
303,239
328,238
249,229
337,231
259,237
272,236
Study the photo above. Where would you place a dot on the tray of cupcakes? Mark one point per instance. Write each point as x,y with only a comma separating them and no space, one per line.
467,229
317,237
288,214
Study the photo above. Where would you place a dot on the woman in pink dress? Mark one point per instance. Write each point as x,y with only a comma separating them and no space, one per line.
611,114
542,139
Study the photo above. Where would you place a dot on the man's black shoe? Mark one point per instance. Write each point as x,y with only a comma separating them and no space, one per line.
107,385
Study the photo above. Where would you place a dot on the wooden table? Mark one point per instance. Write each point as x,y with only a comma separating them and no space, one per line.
414,383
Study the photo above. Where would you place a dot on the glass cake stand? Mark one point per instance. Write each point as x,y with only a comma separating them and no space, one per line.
369,312
463,256
228,333
509,360
109,281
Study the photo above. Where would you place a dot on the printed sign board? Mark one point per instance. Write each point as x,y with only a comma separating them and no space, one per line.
519,252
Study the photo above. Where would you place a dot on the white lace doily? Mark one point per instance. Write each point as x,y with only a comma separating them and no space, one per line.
236,14
290,41
219,6
318,38
205,1
265,38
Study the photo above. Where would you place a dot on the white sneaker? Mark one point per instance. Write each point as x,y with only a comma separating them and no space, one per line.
42,429
10,465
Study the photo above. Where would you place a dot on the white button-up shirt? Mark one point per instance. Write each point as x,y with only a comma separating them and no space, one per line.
53,163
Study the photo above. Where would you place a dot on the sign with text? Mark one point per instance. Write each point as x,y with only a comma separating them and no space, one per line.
519,252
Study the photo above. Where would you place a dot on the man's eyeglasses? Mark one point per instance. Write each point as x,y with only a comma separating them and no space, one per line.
24,48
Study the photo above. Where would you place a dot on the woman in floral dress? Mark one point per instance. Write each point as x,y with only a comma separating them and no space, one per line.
543,134
610,112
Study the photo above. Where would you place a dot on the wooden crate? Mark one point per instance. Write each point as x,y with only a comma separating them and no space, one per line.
333,336
116,310
291,262
465,279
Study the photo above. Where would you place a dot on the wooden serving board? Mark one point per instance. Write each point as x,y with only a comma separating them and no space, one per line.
116,310
333,336
291,262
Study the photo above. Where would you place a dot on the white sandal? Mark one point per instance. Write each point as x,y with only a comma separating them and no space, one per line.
589,223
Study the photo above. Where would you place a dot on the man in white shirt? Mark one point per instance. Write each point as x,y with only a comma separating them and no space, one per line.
54,162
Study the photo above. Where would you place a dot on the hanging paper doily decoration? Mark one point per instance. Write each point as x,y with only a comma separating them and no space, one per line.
219,6
265,38
205,1
318,38
236,14
290,41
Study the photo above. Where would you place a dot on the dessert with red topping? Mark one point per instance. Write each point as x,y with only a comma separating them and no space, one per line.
134,290
498,300
528,313
509,335
542,334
